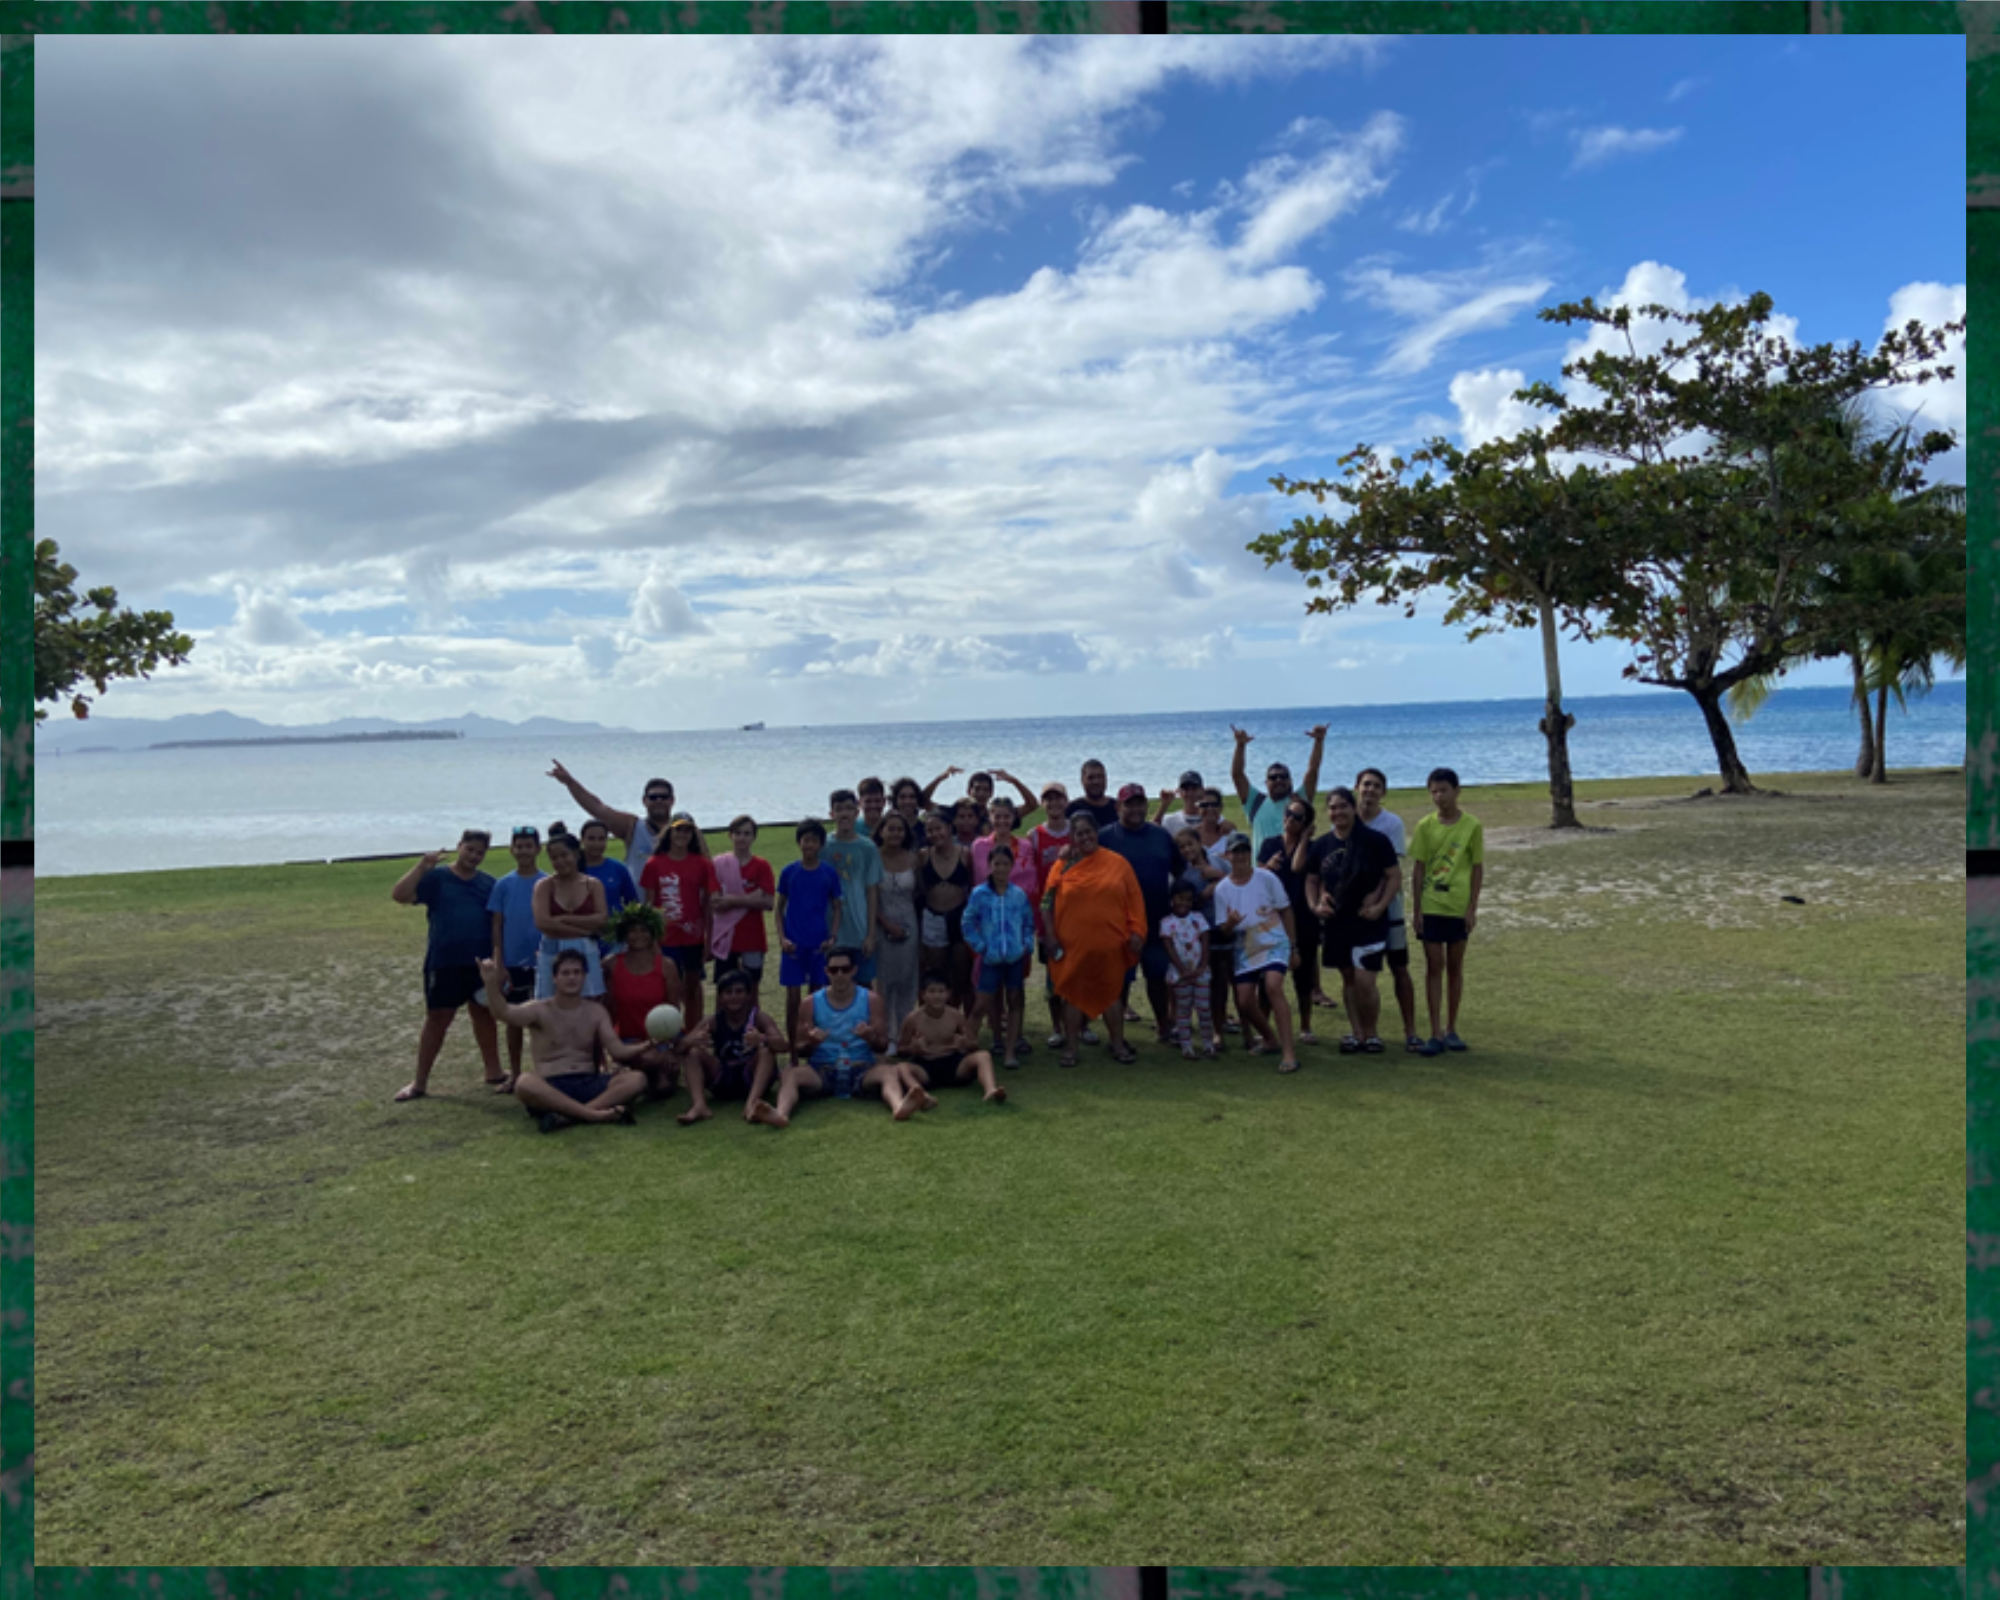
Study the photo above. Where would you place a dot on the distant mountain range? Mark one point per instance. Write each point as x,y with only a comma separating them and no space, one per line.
62,735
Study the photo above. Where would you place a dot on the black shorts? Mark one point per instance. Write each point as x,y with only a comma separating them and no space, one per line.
520,985
750,962
688,957
448,988
1350,945
940,1070
582,1087
734,1084
1444,930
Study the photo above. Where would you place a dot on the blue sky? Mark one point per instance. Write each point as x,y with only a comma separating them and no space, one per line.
680,382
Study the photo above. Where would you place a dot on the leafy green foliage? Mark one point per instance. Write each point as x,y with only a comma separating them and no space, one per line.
91,638
1735,495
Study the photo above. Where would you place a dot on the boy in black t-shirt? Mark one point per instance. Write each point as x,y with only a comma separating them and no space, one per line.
1351,876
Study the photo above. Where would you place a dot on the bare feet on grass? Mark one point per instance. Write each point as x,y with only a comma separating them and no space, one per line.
694,1114
768,1115
997,1094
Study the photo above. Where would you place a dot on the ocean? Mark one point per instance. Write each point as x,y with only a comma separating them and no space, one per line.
241,806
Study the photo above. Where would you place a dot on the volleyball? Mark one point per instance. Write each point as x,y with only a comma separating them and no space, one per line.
663,1023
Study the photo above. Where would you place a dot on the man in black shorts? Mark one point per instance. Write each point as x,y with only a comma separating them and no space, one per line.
733,1053
455,898
1351,876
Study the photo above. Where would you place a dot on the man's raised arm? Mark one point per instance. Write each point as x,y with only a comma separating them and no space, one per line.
621,823
405,891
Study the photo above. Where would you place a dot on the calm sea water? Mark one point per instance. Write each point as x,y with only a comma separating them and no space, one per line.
151,810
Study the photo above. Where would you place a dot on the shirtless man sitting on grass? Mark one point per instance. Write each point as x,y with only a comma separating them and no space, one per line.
940,1043
566,1086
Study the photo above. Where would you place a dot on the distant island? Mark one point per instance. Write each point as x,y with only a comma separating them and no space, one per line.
319,738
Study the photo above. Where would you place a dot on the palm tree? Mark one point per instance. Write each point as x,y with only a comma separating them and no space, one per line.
1903,585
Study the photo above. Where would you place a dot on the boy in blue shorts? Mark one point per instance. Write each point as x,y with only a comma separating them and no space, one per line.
808,913
1447,871
1000,927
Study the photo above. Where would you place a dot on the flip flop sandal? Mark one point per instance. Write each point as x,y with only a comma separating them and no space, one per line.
1349,1045
1374,1047
412,1094
1124,1055
1414,1045
1066,1059
1288,1066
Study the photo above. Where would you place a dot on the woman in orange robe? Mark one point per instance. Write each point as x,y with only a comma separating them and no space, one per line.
1098,918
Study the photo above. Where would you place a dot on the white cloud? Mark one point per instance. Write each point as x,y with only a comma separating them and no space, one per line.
1940,404
1430,221
268,617
1683,88
1595,146
660,610
1487,408
1444,306
1291,199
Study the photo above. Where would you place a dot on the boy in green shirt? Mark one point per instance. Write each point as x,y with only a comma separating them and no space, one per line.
1447,868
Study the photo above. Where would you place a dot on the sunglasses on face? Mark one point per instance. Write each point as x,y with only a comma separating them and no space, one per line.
1211,805
663,799
838,972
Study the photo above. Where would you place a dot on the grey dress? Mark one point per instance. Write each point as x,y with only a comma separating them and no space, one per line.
896,959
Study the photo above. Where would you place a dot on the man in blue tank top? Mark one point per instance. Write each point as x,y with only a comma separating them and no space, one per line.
841,1030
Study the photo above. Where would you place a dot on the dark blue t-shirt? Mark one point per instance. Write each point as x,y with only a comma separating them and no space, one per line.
460,933
808,892
1149,850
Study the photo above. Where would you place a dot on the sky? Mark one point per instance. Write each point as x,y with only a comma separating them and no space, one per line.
684,382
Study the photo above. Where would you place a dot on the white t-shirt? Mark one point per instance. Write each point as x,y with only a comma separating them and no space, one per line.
1177,820
1260,936
1391,824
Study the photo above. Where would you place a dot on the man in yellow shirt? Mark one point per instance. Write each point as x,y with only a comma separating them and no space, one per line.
1447,870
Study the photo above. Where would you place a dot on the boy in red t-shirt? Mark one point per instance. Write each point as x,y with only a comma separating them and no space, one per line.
746,890
679,880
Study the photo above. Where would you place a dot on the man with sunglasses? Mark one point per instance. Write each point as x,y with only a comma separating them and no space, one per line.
1265,809
641,834
842,1030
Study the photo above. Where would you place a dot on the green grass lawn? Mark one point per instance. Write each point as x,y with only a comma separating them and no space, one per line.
1665,1271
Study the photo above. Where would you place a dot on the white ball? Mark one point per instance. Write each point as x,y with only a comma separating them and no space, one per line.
663,1023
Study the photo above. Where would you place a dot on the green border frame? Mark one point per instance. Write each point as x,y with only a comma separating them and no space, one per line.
20,20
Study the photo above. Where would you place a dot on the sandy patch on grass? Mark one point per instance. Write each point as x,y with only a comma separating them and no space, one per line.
1534,838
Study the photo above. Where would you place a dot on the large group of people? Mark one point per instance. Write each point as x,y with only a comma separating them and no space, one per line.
909,928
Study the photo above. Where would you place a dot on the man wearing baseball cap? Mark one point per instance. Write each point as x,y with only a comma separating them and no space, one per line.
1150,852
1189,815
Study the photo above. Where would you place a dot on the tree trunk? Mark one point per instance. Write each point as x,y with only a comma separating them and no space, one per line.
1735,776
1879,773
1555,726
1864,763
